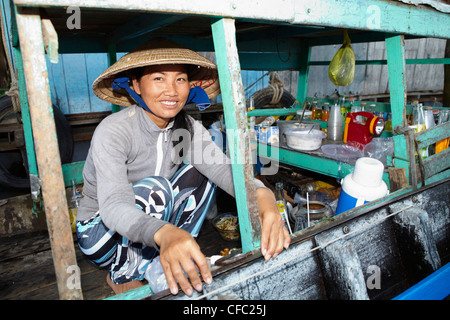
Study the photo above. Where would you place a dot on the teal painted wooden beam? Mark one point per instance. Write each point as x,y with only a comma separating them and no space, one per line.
238,136
25,112
395,51
308,161
303,74
73,171
383,62
143,25
370,15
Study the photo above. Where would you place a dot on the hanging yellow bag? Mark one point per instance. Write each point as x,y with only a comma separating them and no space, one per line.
342,68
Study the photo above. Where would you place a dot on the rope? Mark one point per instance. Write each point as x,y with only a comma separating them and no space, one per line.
370,225
13,92
277,86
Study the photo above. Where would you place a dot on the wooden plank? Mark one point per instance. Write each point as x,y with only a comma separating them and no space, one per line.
373,15
27,272
397,178
76,86
432,135
46,148
50,40
395,51
237,131
436,163
96,63
57,83
142,25
303,74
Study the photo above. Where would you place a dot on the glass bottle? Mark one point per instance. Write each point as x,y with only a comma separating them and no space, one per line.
314,110
388,125
362,119
281,204
419,125
326,111
429,118
73,206
251,120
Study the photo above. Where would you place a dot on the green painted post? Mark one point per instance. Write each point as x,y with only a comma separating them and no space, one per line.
26,120
303,74
395,51
238,137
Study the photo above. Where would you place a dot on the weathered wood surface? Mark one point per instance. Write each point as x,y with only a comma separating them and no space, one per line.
27,272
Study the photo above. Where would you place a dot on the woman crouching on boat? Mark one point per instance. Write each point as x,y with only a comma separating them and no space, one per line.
140,200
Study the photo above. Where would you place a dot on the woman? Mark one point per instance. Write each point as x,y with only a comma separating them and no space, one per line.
139,199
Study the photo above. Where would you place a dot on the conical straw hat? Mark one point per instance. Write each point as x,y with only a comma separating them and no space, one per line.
201,72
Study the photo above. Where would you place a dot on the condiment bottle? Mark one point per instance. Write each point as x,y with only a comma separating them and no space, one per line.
326,111
73,207
281,204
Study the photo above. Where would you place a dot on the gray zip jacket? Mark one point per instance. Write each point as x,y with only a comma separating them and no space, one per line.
127,147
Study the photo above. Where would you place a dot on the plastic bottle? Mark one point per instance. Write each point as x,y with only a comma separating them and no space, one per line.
313,110
334,131
281,204
419,125
363,185
429,123
270,120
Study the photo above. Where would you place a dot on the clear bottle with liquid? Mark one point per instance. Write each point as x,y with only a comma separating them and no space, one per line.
281,204
73,206
418,124
251,120
388,125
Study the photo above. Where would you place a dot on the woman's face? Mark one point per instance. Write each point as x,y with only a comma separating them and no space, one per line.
164,89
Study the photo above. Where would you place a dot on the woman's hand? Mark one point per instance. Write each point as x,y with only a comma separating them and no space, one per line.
180,252
274,235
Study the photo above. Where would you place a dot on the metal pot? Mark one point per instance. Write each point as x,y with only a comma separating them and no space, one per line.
317,210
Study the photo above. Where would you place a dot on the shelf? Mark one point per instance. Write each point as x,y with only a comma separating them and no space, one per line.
315,161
